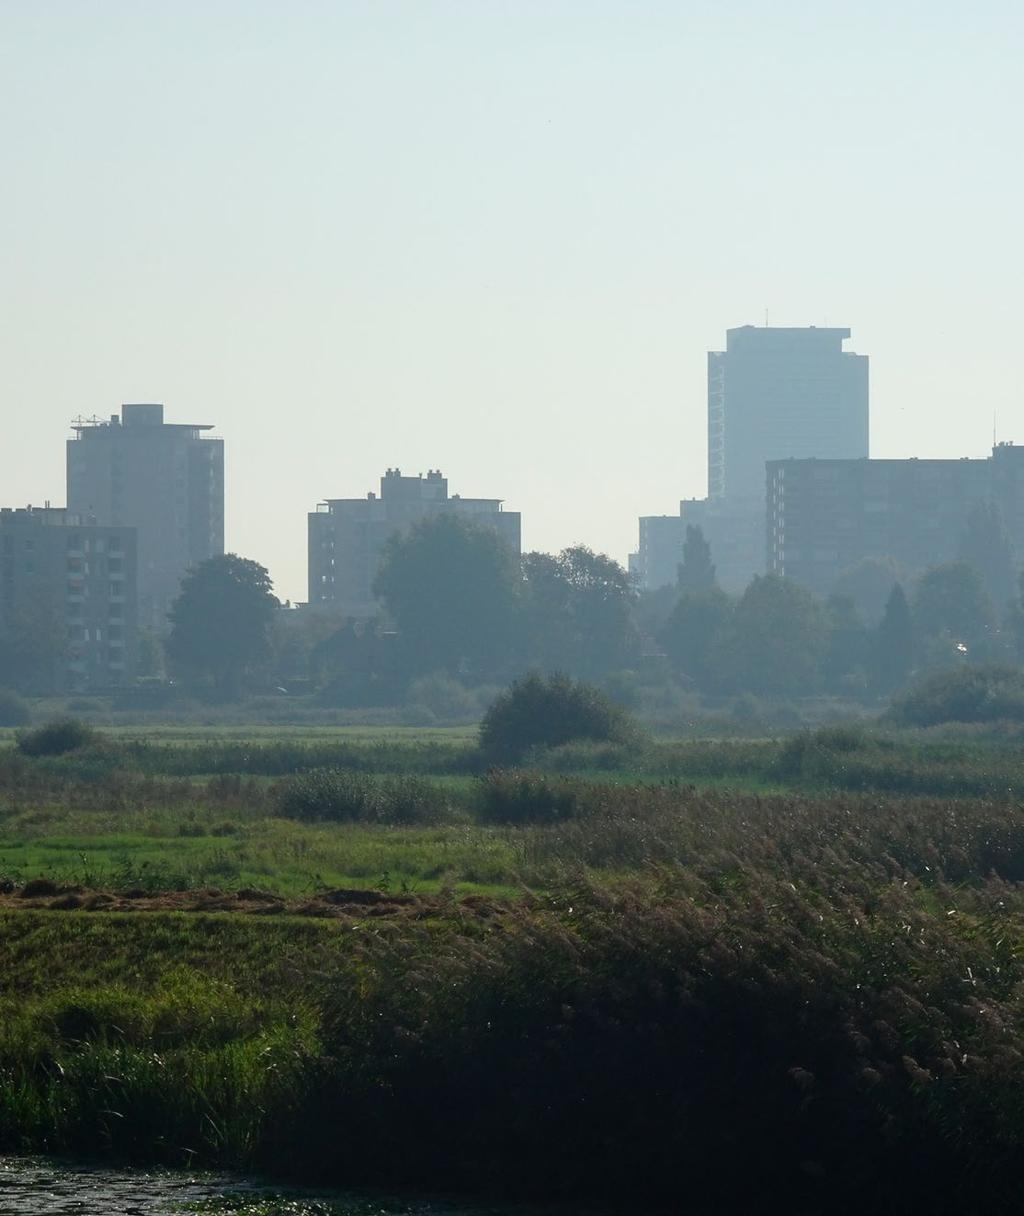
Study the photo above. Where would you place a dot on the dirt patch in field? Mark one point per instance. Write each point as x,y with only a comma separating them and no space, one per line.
340,904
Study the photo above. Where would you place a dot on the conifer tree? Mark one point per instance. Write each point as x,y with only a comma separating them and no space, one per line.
697,571
894,642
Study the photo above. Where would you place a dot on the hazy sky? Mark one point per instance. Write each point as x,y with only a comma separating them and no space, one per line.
497,237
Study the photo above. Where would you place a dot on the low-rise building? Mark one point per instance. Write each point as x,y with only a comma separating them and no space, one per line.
347,535
68,587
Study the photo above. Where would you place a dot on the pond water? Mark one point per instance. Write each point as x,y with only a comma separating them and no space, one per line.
41,1187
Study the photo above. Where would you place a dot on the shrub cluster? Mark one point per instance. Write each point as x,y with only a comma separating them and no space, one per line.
57,738
967,694
340,795
527,797
547,711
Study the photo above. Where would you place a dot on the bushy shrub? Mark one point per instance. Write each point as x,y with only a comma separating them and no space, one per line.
527,798
966,694
800,756
343,795
13,710
57,738
546,711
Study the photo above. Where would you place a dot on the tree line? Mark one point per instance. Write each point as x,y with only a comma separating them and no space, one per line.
456,602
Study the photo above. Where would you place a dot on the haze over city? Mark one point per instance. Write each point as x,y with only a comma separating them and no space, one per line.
497,239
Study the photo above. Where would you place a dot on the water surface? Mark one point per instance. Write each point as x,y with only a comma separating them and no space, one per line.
42,1187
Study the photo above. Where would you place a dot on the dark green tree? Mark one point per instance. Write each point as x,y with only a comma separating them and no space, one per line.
869,584
361,664
1015,622
34,649
846,655
651,609
578,613
451,588
892,653
951,608
151,654
697,571
985,545
692,631
775,640
221,622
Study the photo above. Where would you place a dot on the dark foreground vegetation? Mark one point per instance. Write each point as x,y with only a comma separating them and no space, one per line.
762,976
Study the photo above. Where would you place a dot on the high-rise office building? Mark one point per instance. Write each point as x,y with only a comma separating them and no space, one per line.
779,394
166,480
773,394
348,535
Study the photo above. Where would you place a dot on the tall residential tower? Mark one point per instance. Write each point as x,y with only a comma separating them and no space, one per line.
166,480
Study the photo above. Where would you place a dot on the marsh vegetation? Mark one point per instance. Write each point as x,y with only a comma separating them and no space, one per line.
613,971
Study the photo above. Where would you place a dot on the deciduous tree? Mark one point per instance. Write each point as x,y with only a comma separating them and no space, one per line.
775,641
692,631
578,613
451,588
221,622
950,602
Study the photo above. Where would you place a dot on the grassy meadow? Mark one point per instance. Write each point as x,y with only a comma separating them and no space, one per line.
678,974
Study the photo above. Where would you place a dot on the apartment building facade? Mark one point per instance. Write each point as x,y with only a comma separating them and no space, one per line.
825,516
659,552
69,587
347,535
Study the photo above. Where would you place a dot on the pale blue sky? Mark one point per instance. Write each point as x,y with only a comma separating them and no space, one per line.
497,237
